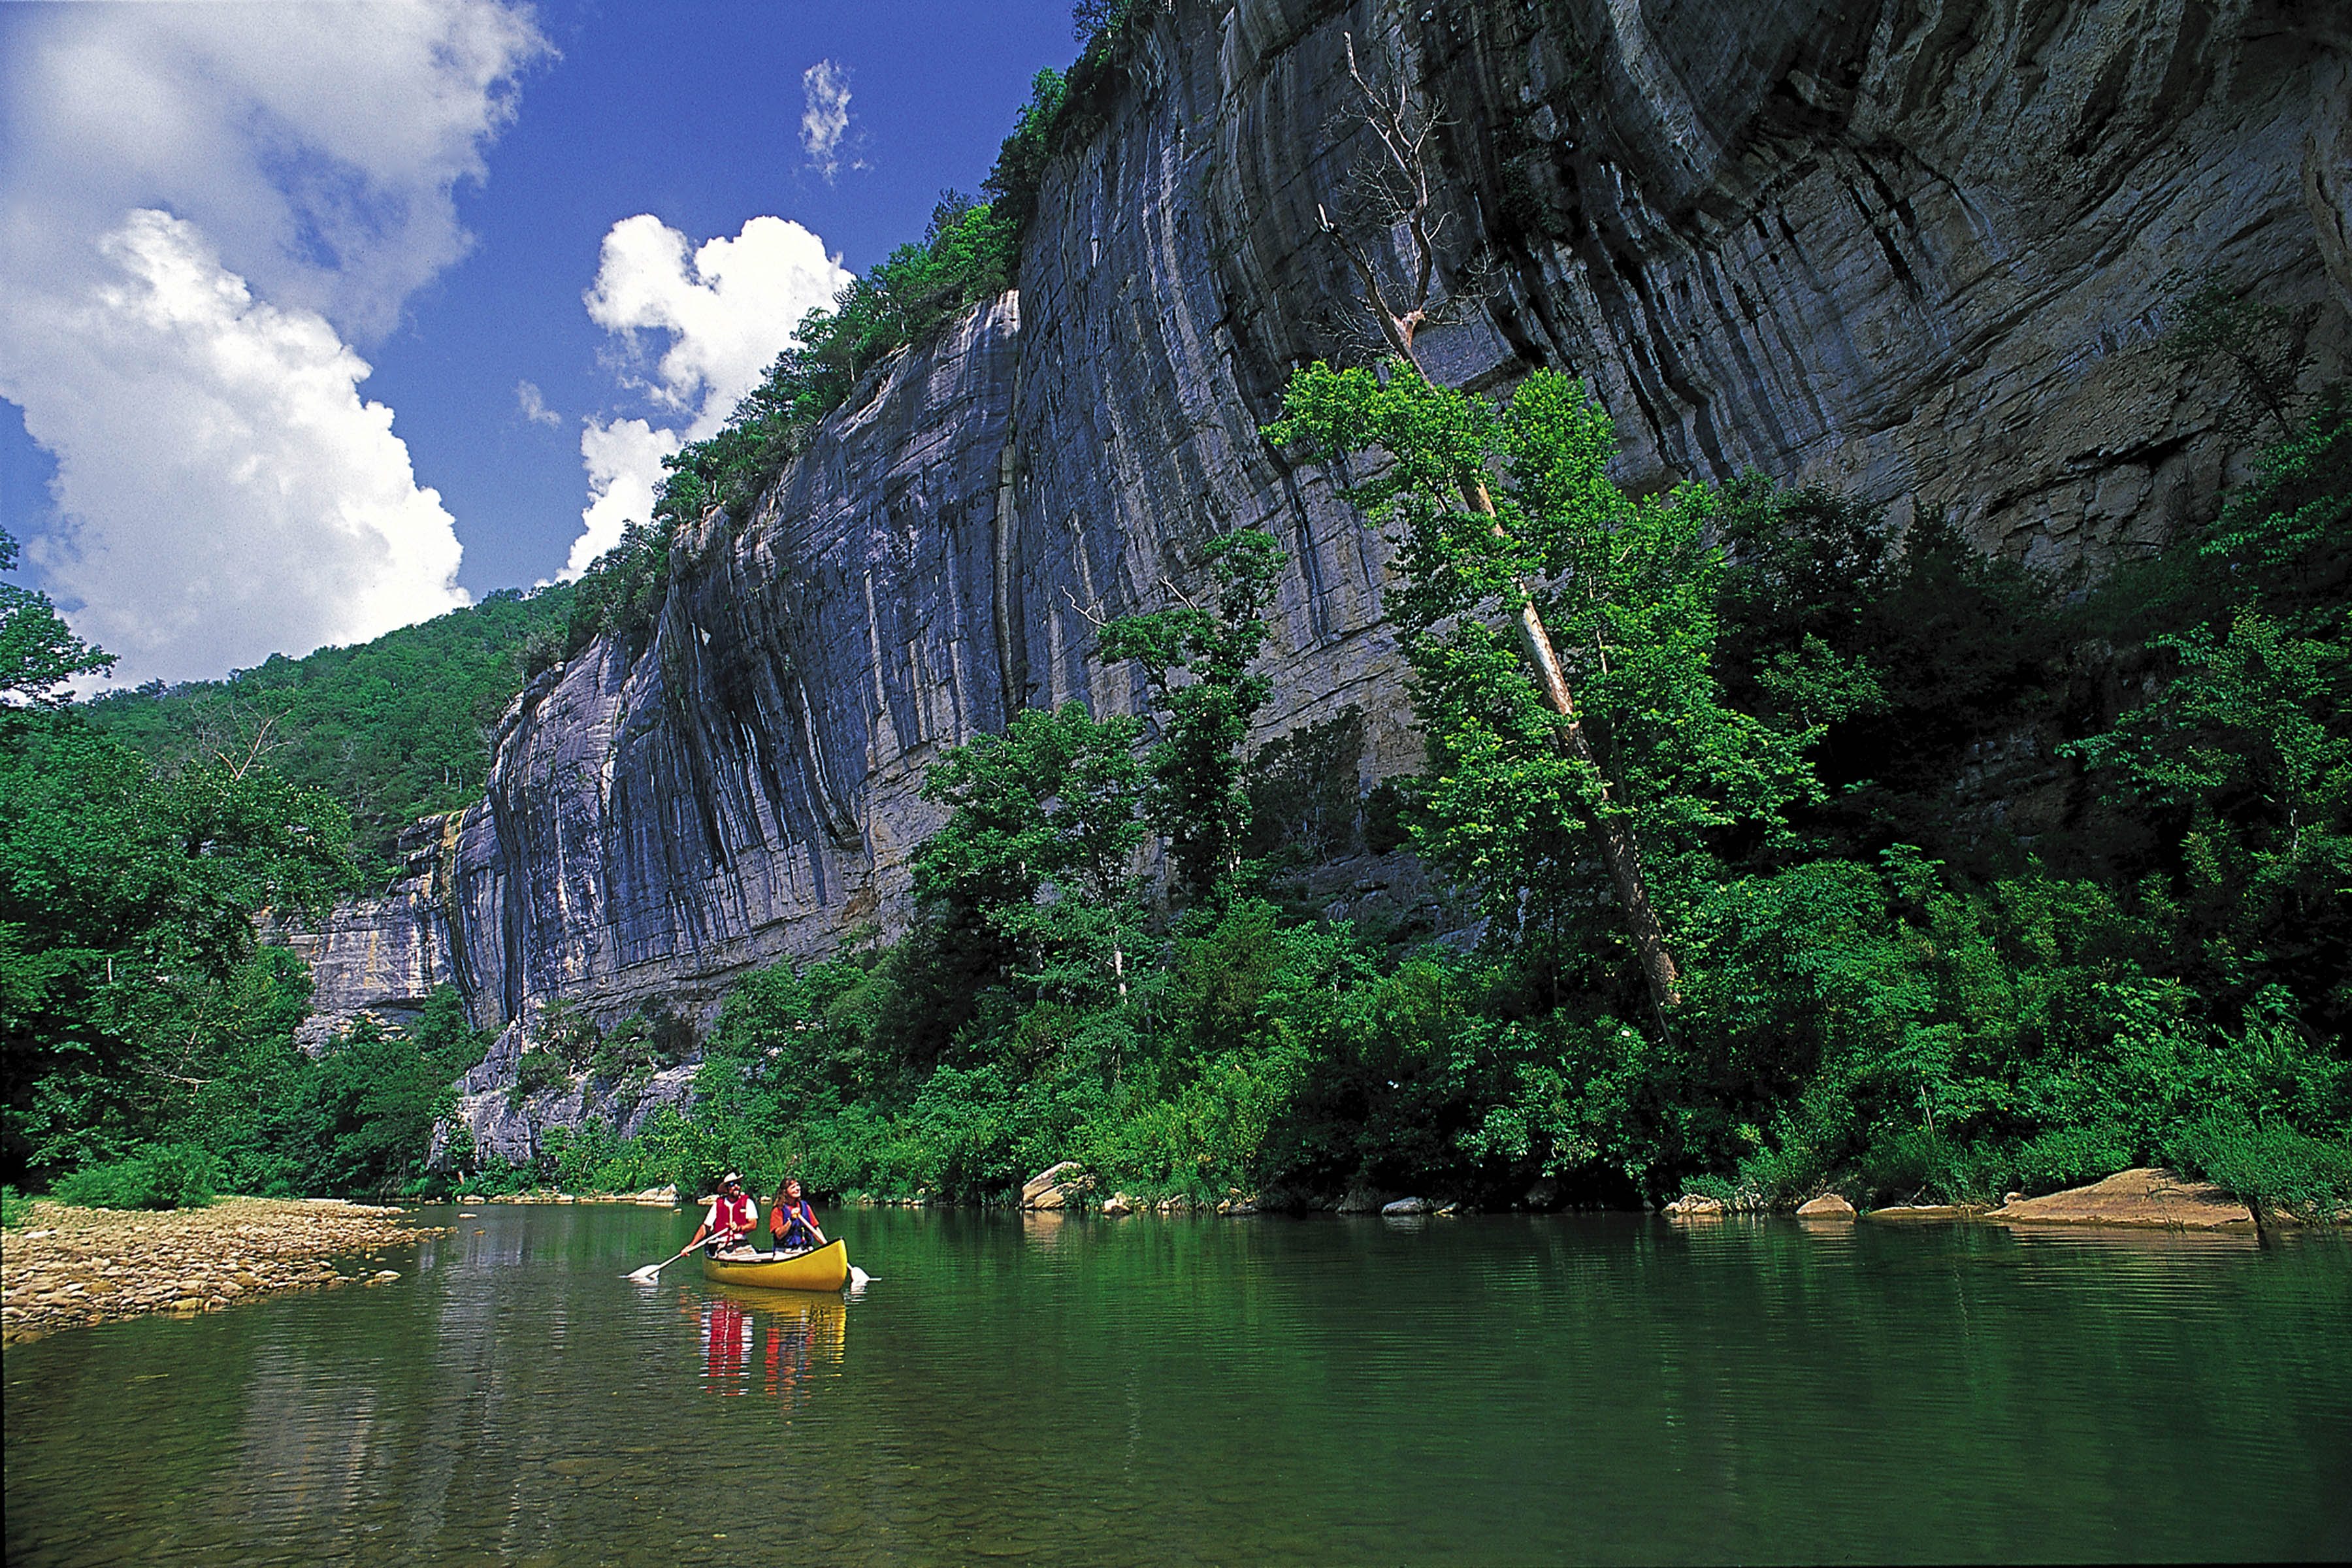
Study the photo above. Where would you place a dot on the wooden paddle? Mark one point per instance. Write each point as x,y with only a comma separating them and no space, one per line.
650,1269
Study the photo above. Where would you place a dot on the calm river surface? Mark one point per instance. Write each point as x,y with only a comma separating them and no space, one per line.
1486,1390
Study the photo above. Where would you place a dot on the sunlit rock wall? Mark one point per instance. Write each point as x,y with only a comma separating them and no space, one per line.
1920,251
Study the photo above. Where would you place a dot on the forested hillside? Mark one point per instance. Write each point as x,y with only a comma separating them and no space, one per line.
392,730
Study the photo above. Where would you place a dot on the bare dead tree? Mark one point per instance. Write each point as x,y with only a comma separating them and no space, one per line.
236,728
1404,180
257,745
1397,189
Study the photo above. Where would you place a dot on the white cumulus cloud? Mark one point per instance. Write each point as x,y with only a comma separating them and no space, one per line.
825,119
234,494
727,310
201,207
624,461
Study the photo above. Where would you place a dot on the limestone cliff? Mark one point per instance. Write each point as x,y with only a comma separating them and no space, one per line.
1917,250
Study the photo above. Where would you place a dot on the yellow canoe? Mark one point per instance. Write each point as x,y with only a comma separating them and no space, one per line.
824,1268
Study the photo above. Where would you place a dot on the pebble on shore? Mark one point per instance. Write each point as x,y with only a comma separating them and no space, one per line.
68,1267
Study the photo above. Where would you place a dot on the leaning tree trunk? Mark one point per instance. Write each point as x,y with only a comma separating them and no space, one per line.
1619,850
1403,127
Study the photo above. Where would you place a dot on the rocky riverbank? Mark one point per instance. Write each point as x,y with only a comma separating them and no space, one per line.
68,1267
2145,1197
651,1197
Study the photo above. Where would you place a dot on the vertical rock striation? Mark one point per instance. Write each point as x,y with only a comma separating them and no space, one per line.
1916,250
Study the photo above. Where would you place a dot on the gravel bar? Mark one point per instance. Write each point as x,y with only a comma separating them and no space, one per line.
68,1267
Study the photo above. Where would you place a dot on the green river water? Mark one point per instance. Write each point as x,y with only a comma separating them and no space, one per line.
1258,1391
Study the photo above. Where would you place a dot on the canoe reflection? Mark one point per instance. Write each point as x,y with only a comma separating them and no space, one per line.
777,1340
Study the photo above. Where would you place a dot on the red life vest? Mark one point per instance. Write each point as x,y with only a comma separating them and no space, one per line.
736,1213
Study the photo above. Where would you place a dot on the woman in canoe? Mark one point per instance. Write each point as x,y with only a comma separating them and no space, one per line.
730,1217
792,1223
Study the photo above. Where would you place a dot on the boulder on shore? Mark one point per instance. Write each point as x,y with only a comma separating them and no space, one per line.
2141,1196
1829,1205
1695,1206
1405,1206
1056,1186
1361,1199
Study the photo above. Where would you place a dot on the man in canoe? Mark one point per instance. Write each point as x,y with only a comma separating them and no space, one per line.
792,1223
729,1219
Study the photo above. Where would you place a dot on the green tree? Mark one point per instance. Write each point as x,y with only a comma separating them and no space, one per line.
2253,342
1394,192
2249,746
394,730
1196,660
128,907
1529,786
38,652
1019,169
1041,840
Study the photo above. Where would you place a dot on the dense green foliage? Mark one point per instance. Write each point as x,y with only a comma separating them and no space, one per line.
1196,661
392,730
1039,853
1507,811
147,1036
158,1176
128,896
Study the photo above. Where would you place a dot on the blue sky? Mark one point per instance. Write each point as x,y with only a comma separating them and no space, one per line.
208,211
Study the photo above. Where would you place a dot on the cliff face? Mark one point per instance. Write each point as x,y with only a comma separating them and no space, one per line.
1916,251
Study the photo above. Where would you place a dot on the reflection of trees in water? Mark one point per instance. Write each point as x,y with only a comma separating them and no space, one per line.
782,1345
